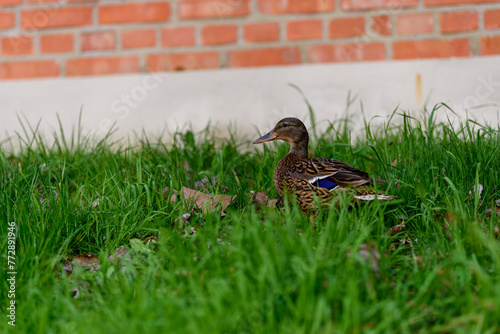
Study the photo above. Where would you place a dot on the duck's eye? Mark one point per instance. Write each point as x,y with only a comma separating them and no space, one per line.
284,125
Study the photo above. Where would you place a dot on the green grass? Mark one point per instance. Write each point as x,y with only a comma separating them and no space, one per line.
256,270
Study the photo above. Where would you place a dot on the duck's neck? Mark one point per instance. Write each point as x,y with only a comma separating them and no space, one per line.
300,149
298,152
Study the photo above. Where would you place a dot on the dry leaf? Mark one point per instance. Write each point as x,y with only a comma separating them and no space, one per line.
262,199
259,197
87,261
203,200
120,254
396,161
396,229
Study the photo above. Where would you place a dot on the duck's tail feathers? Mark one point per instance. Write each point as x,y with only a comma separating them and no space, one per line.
378,180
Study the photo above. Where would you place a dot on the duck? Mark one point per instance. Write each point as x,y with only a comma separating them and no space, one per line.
316,181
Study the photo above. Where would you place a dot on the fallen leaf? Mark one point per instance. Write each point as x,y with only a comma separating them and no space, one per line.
396,229
262,199
86,261
259,197
120,255
202,200
396,161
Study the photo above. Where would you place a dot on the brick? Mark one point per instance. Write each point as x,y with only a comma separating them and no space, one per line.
74,1
35,19
492,19
295,6
17,45
264,57
42,1
328,53
219,34
134,12
200,9
56,43
346,27
431,49
178,36
29,69
304,29
490,45
433,3
458,21
348,5
138,38
102,66
98,40
415,23
183,61
382,25
261,32
8,3
7,20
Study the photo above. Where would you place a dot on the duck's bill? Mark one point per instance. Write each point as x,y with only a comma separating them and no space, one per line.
267,137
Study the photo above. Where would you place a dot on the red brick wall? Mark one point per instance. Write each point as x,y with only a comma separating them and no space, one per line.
66,38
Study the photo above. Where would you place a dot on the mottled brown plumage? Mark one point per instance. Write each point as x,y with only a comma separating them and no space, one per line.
319,178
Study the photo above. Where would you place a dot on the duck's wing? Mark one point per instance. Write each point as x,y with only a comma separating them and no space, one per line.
329,173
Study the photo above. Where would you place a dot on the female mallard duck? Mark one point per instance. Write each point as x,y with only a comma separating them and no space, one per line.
319,178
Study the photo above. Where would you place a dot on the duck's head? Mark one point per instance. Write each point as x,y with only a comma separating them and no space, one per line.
289,129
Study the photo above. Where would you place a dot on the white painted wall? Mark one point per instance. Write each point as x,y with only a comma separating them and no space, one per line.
249,98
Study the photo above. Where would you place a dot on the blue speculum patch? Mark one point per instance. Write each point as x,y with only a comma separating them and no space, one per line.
325,183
